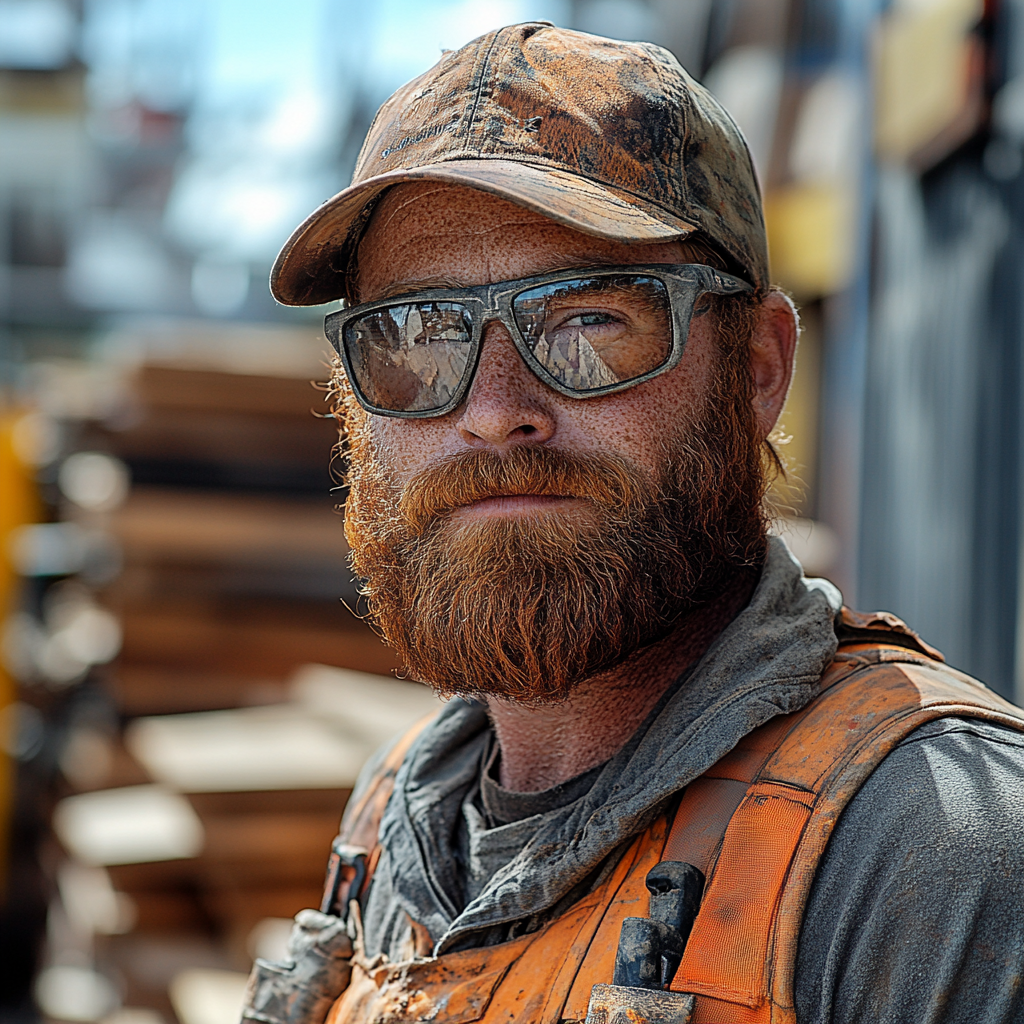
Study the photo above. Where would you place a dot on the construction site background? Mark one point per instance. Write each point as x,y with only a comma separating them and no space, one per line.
187,689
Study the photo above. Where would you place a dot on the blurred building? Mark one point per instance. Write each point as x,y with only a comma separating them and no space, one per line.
186,700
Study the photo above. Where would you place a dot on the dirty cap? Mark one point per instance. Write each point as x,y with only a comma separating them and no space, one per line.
613,139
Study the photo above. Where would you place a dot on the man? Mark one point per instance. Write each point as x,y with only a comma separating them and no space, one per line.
562,362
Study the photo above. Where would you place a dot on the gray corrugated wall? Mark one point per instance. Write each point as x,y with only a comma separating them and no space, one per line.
941,463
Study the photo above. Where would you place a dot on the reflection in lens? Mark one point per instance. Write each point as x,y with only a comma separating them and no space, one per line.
410,357
590,333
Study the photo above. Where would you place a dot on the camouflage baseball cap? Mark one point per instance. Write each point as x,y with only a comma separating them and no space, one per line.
613,139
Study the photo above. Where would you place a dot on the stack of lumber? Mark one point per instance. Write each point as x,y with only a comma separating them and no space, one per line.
217,828
249,695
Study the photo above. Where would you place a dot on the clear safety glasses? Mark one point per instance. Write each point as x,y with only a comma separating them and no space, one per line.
582,332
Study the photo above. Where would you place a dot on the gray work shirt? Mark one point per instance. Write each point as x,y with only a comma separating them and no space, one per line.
917,910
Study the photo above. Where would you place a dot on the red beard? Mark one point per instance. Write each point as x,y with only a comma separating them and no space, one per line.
525,608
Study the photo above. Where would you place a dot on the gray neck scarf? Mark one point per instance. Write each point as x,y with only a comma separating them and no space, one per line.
766,662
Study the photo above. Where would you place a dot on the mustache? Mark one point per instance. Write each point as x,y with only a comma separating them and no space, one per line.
462,479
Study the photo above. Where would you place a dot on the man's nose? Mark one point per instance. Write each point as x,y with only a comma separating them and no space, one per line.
506,404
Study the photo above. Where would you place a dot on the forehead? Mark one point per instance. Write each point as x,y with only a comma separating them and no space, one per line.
424,235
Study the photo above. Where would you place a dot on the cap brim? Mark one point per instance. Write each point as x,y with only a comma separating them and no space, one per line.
312,266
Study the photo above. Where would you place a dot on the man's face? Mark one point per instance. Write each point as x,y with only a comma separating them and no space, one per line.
527,539
435,235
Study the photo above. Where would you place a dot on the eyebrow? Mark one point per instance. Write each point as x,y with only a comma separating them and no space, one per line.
418,285
551,266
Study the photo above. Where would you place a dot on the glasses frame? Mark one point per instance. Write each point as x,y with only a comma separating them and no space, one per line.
684,283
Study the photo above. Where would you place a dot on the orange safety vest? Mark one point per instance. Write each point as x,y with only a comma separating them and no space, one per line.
756,823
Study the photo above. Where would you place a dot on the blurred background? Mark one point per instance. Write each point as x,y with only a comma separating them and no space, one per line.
185,697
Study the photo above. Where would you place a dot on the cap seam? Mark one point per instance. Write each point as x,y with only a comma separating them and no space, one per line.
484,69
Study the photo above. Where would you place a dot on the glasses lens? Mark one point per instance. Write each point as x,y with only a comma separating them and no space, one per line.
593,332
410,357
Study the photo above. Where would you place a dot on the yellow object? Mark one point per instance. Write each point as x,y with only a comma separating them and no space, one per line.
923,55
19,504
812,236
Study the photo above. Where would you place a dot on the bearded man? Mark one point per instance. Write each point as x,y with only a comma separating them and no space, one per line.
676,780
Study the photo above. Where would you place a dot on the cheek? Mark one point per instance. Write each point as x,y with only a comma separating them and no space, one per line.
637,423
634,424
403,447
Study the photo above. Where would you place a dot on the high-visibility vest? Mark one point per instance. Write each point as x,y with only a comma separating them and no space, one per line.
756,823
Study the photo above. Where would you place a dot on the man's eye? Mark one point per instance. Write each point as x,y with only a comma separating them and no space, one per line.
589,320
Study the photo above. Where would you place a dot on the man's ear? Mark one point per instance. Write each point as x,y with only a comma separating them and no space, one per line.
772,352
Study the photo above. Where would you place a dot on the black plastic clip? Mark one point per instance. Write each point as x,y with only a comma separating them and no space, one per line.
651,948
346,872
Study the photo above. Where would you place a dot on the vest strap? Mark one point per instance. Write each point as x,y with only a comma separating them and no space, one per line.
356,851
756,823
797,773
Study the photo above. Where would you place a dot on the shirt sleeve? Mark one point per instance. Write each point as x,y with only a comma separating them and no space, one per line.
916,914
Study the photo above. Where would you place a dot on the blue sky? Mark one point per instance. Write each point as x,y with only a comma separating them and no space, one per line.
256,45
407,36
267,88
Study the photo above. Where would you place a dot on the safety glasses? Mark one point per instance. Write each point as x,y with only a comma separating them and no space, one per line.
582,332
